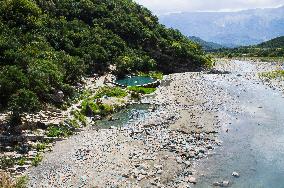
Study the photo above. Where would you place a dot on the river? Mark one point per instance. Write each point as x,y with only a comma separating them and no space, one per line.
253,146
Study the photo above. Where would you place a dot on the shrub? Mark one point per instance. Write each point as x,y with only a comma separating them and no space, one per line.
273,74
23,101
58,131
6,162
21,161
12,79
80,117
40,146
21,182
91,108
45,75
106,109
135,96
38,158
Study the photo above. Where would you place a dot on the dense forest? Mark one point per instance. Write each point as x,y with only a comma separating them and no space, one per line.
274,43
271,48
47,46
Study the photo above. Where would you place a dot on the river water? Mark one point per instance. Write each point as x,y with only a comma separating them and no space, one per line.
254,145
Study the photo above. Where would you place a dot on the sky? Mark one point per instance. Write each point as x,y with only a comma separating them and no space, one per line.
160,7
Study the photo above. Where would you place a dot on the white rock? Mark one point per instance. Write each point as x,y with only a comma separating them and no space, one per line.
236,174
225,183
192,180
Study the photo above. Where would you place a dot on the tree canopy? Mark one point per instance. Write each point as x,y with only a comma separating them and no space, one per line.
49,45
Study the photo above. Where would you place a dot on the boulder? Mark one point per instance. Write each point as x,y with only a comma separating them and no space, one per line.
58,97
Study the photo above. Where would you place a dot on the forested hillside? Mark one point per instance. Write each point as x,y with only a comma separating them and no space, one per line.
271,48
274,43
46,46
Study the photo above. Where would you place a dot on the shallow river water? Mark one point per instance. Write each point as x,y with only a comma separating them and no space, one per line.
254,144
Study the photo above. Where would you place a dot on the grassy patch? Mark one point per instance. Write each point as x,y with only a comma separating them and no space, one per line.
89,106
156,75
58,131
142,90
111,92
273,74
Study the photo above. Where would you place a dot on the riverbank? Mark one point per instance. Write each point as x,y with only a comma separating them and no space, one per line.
159,150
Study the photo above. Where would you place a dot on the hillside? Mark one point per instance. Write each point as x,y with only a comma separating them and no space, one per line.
231,29
207,46
271,48
47,46
274,43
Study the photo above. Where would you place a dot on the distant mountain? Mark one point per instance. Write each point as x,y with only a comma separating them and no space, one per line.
207,46
274,43
231,29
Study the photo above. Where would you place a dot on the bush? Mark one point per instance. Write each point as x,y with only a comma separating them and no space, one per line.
21,161
6,162
45,77
38,158
80,117
135,96
90,108
58,131
40,146
23,101
12,79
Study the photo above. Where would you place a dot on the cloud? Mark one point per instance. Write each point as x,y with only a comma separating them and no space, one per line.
168,6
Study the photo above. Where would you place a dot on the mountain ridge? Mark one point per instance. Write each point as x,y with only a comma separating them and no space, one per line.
247,27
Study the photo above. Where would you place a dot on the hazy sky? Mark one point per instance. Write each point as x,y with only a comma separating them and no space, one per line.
168,6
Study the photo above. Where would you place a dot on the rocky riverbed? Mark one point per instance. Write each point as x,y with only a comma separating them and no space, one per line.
159,150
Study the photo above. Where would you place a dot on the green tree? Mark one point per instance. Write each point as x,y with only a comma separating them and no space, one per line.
23,101
12,78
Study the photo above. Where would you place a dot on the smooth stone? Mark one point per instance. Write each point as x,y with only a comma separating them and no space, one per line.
236,174
225,184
